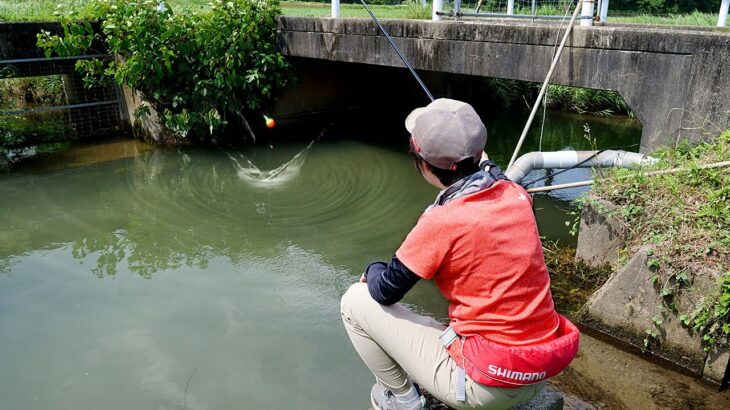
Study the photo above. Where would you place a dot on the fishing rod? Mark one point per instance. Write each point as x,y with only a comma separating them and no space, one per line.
397,50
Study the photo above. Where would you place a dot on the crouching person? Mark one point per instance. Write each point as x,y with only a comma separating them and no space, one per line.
479,243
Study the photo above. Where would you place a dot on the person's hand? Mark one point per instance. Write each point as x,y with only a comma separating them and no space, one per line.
363,278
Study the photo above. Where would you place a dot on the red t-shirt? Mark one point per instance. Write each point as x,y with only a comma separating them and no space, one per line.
484,253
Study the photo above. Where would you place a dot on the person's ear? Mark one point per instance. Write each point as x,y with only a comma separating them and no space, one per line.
424,166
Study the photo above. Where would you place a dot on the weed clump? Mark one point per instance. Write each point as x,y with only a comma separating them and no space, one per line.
572,281
684,219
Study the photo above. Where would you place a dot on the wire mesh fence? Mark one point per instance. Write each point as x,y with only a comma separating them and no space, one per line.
48,109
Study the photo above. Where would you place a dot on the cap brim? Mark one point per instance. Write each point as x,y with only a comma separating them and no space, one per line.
412,117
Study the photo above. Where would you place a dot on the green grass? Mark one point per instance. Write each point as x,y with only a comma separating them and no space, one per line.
572,281
19,92
402,11
39,10
684,220
34,10
692,19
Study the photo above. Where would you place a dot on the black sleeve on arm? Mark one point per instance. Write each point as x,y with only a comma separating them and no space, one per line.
389,283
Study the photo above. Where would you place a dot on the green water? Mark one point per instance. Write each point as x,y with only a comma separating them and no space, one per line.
174,279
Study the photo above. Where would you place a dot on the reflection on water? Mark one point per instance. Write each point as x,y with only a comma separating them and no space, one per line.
165,280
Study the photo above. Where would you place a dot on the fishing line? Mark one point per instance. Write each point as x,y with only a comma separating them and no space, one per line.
544,100
397,50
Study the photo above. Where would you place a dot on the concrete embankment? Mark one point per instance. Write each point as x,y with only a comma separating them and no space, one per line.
625,308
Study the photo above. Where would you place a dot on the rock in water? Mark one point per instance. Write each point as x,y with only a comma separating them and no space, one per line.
548,399
4,163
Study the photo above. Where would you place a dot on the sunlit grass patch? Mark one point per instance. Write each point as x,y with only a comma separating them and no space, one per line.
690,19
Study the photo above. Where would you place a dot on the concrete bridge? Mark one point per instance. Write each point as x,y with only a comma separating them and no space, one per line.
676,80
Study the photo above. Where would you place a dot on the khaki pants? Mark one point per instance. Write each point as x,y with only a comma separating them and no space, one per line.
396,343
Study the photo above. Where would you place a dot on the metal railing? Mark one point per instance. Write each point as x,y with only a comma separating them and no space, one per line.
526,10
587,14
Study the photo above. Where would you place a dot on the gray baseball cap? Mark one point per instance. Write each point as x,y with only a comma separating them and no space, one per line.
446,132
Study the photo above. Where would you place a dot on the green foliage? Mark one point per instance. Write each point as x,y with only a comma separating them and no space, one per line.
684,220
666,6
695,18
586,101
712,317
18,92
558,97
415,10
572,281
199,68
31,129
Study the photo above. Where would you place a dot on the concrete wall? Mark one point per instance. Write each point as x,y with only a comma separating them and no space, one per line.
624,308
676,81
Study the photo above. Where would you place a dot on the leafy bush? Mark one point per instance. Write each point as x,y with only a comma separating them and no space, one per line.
200,68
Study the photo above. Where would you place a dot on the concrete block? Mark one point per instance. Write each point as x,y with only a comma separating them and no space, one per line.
717,363
147,127
601,234
625,306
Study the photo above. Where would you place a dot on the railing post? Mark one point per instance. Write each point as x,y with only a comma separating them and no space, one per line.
438,6
722,17
534,7
603,16
457,7
335,9
511,7
587,11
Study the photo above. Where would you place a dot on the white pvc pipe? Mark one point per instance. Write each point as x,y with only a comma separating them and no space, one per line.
335,9
587,11
511,7
438,7
603,16
573,159
722,17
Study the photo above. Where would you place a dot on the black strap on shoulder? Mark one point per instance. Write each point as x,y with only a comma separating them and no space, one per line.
493,170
